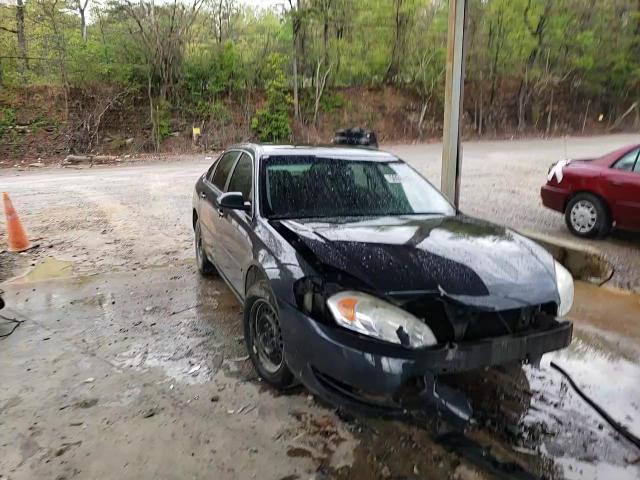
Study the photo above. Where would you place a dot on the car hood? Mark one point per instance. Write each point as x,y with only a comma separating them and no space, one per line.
468,260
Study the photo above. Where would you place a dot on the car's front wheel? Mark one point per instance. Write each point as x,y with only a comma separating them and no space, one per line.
205,267
587,216
263,337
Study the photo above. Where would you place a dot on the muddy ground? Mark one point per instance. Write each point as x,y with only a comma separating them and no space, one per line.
130,365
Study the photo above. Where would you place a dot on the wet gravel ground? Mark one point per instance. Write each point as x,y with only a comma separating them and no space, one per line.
130,365
144,375
129,216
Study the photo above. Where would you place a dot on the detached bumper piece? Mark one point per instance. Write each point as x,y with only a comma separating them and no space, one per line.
377,378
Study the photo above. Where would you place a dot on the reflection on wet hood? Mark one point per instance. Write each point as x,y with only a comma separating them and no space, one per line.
469,260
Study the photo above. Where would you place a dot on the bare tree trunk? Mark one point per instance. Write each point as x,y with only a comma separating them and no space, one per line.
220,21
61,46
394,64
296,103
325,39
22,39
495,42
481,103
423,112
320,84
549,113
522,100
84,25
154,136
81,6
586,115
296,25
619,121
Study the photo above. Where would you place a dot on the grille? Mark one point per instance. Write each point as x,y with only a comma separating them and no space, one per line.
452,322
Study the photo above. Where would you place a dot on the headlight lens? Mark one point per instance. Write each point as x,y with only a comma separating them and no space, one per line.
371,316
564,281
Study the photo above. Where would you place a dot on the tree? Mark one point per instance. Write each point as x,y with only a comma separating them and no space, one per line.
81,7
19,32
537,29
296,23
164,34
271,123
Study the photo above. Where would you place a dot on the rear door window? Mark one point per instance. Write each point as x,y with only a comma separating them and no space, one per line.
242,177
222,170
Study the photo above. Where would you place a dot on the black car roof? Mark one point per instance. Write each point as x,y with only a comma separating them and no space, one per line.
329,151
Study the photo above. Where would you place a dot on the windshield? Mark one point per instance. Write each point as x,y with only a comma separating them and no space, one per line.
310,187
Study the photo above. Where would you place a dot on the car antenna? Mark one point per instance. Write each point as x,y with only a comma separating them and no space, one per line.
566,155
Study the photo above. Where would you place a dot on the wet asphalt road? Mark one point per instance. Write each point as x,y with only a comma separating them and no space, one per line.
129,365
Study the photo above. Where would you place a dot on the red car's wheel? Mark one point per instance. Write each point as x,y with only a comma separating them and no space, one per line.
587,216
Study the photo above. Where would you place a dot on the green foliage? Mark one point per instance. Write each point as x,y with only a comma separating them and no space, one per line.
271,123
589,49
216,111
163,119
331,101
42,122
210,70
7,119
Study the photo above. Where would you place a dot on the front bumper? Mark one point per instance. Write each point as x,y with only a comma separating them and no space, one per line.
554,198
352,370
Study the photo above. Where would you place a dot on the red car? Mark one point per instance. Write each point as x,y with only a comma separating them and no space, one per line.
598,194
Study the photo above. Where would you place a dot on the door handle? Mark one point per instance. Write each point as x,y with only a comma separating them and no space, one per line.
220,212
616,184
203,195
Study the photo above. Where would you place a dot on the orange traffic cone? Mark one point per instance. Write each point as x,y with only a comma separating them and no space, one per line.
18,240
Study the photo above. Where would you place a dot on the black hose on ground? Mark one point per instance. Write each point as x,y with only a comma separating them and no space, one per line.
16,323
621,429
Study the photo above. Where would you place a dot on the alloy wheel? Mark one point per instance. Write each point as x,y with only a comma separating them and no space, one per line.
584,216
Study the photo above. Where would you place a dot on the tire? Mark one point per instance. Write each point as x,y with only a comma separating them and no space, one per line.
587,216
263,337
205,267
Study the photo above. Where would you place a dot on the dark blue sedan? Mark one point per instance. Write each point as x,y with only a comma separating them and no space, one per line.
360,280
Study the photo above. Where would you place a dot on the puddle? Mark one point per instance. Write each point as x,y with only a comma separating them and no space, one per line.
562,426
614,310
201,334
49,269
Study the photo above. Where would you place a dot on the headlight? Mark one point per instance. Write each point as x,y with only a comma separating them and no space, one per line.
564,281
376,318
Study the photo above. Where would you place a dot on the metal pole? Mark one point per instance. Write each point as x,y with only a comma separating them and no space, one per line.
454,91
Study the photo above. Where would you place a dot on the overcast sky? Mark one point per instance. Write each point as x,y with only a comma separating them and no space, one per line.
265,3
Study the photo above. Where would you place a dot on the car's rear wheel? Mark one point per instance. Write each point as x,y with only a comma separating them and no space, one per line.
587,216
263,337
205,267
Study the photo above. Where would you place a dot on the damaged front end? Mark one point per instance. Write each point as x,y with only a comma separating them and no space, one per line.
377,324
356,370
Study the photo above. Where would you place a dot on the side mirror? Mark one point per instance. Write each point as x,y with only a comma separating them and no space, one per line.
234,201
